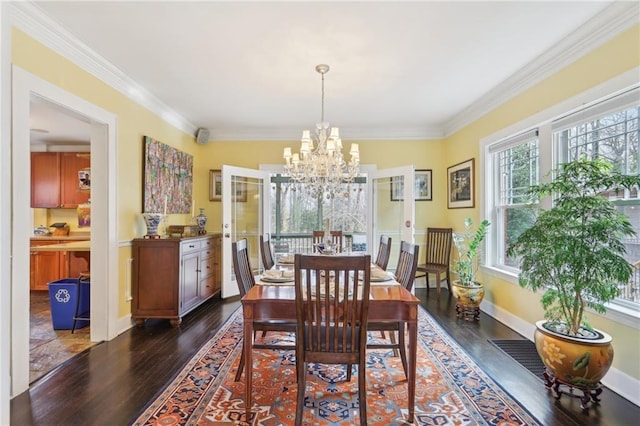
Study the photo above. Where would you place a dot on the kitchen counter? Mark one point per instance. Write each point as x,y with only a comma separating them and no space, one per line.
84,245
80,236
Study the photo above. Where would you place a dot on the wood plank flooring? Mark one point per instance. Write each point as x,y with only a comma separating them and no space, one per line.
110,383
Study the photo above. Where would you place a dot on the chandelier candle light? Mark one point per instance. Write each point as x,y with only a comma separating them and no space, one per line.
322,169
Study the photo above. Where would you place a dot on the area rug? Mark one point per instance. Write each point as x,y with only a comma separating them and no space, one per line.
450,389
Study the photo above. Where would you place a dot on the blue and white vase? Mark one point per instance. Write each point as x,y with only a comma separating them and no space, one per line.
201,220
152,220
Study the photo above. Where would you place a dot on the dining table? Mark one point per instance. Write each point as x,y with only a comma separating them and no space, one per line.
275,301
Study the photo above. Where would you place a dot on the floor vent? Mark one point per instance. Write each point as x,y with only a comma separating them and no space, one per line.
523,351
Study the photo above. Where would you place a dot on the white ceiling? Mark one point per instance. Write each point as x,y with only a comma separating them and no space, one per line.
245,70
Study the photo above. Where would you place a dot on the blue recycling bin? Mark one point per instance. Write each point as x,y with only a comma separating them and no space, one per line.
63,296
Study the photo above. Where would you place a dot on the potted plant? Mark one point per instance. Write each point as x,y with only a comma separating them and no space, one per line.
468,292
575,254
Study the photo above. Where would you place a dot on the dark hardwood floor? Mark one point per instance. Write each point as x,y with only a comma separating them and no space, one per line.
110,383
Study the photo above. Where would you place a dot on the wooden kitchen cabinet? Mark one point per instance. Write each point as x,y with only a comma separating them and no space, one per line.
45,266
48,266
54,179
173,276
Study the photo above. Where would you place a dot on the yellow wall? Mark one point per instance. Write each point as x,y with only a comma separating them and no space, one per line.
618,55
134,122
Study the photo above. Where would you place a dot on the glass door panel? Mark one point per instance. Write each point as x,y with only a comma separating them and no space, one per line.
392,209
245,208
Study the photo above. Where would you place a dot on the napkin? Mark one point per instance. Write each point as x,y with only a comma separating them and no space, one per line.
287,258
379,274
277,273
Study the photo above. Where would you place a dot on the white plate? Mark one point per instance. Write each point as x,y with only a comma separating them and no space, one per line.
277,279
381,279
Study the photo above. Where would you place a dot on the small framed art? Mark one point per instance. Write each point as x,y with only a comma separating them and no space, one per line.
460,183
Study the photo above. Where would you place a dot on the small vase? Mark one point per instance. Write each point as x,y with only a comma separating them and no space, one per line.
201,220
152,220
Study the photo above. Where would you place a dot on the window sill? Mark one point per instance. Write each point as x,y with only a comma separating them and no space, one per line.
615,312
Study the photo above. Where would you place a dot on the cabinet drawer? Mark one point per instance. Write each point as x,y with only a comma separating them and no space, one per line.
207,287
208,244
207,266
190,246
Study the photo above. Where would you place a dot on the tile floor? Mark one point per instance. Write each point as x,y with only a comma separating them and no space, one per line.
49,348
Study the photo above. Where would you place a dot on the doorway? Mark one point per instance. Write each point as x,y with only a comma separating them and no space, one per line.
55,128
104,248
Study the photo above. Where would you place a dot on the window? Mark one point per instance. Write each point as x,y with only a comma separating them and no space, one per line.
609,130
515,163
606,129
295,214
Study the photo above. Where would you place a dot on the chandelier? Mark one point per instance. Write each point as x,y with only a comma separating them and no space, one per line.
322,169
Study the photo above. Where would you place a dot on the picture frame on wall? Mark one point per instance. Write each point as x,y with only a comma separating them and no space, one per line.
460,185
215,188
423,186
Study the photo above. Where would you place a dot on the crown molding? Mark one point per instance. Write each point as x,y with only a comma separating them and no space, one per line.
347,133
32,20
613,20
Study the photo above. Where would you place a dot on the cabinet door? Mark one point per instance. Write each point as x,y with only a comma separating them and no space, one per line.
70,193
189,287
73,263
45,179
45,266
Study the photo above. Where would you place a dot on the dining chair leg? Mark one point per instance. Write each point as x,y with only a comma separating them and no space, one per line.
449,282
349,368
392,337
240,365
301,389
403,348
426,276
362,389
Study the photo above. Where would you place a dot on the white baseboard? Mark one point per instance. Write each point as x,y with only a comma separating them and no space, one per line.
124,323
618,381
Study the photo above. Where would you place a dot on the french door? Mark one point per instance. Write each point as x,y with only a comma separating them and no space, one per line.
392,209
245,214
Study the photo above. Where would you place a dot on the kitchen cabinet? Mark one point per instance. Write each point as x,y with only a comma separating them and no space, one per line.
54,179
48,266
173,276
45,266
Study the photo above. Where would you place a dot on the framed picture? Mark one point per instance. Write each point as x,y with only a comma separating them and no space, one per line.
460,183
215,188
422,190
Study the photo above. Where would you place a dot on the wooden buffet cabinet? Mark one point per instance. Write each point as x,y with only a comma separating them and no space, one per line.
172,276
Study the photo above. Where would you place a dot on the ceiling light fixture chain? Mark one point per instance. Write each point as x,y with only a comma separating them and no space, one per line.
322,170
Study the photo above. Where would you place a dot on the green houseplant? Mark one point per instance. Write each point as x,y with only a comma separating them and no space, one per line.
467,291
574,253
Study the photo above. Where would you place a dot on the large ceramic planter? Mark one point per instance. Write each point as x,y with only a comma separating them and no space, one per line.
574,362
468,300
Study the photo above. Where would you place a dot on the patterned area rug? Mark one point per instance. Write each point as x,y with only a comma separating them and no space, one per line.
450,390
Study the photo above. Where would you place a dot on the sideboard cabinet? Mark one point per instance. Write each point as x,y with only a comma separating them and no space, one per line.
173,276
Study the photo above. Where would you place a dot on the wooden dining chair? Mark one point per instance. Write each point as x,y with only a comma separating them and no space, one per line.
317,238
384,252
437,257
405,275
336,240
332,303
245,279
265,252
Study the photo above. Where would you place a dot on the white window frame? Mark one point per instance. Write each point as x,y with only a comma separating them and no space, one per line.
548,158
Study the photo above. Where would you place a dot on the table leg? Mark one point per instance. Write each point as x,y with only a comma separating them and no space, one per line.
247,344
413,346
